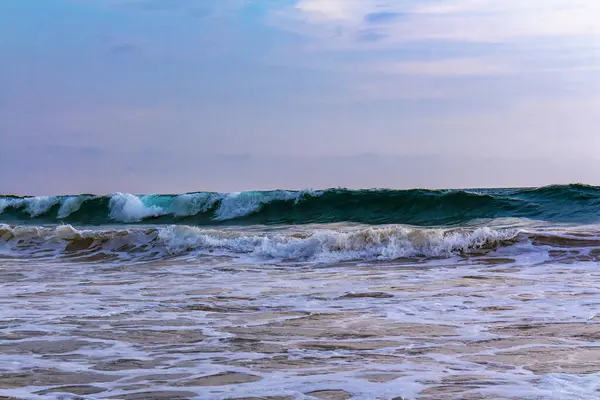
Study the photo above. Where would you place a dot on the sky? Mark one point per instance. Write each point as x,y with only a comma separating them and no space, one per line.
170,96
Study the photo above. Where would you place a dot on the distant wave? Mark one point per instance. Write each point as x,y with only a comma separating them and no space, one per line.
570,203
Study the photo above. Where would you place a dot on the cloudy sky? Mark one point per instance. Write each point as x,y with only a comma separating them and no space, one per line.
184,95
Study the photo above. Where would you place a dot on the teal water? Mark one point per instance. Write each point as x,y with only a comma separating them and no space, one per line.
563,204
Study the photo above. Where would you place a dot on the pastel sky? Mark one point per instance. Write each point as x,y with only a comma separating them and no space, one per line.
184,95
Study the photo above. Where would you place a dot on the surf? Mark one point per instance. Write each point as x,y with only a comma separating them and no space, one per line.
568,203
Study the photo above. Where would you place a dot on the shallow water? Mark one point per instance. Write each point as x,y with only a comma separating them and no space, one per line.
517,321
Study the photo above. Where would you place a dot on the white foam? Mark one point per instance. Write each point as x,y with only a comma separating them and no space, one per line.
326,246
71,205
570,386
3,204
36,206
318,245
239,204
126,207
193,203
65,232
437,320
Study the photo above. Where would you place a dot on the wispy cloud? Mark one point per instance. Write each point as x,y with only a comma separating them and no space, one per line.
381,17
370,36
122,45
468,20
449,67
513,37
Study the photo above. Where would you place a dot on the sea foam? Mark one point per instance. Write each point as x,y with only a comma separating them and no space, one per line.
320,245
126,207
234,205
71,204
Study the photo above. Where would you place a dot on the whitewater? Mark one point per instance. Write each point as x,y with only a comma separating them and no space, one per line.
310,294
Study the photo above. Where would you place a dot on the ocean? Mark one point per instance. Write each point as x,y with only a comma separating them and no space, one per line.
312,294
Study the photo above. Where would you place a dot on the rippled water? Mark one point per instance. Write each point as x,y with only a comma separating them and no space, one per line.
512,322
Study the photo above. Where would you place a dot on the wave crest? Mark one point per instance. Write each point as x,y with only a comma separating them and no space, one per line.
573,203
126,207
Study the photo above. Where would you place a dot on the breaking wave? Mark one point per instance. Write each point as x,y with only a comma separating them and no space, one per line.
571,203
323,245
